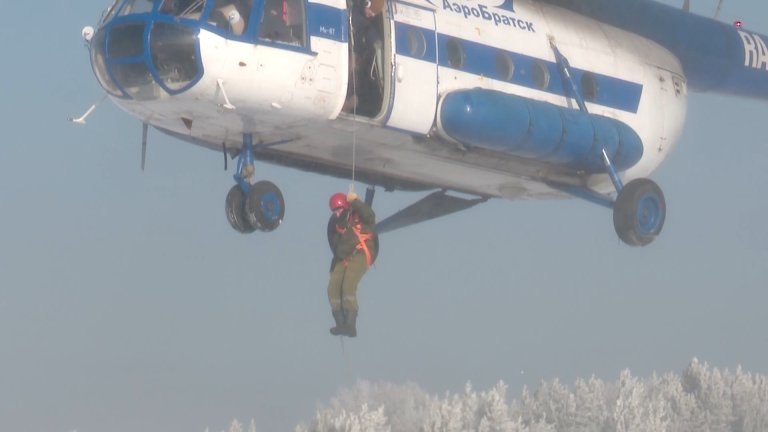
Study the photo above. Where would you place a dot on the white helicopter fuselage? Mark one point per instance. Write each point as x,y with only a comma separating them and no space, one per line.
294,99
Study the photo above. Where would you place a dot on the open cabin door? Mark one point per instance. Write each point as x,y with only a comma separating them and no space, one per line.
414,84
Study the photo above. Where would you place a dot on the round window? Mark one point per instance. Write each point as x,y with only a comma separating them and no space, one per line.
417,45
588,86
505,68
540,74
455,53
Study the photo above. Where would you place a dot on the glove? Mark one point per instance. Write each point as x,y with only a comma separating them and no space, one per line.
351,196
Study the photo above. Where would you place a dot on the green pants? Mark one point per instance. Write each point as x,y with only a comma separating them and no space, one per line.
342,286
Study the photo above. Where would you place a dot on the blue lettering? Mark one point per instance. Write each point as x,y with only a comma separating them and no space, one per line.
529,25
482,11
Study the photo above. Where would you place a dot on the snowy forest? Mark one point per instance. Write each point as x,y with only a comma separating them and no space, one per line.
700,399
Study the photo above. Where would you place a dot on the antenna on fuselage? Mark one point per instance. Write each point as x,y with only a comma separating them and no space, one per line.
81,119
227,105
687,5
144,133
719,6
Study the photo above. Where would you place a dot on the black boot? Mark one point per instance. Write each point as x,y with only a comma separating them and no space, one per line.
339,328
350,328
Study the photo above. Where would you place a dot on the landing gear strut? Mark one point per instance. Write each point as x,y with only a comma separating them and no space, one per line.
639,210
252,207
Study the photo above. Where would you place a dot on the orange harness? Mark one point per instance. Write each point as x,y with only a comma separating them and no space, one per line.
363,237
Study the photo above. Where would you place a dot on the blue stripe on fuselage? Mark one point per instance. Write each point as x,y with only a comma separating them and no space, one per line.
408,37
331,23
327,22
483,60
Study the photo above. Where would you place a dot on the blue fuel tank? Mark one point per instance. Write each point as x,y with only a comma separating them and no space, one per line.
538,130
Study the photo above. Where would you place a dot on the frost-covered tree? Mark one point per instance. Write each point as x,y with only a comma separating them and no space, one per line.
712,393
235,426
700,399
363,420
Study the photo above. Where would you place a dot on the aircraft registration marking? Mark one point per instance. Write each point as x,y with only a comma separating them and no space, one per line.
755,51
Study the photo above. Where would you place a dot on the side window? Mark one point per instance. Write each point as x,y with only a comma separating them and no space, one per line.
231,15
283,21
191,9
110,12
137,7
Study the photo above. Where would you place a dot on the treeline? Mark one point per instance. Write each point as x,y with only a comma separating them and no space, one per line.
700,399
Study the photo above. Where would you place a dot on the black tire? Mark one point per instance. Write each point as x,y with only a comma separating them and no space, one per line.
235,208
265,206
639,212
332,238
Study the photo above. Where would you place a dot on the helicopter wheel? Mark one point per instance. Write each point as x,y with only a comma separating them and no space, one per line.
265,206
235,208
639,212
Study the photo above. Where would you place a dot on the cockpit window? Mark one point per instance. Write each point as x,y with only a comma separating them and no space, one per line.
231,15
283,21
110,12
136,7
174,54
191,9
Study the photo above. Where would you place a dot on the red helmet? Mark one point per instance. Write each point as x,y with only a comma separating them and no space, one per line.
338,200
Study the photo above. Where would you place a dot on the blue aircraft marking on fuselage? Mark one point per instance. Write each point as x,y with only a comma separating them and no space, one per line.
507,5
327,22
483,60
482,11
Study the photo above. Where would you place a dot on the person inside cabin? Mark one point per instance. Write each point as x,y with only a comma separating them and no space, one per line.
352,241
232,15
282,22
364,92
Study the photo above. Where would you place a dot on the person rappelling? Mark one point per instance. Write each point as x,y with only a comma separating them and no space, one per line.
352,238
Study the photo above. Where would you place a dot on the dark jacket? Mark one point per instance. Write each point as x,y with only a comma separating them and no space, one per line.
344,241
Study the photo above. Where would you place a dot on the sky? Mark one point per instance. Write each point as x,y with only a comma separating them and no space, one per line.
128,303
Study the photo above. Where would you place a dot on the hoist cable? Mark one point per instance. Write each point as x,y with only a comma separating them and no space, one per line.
353,66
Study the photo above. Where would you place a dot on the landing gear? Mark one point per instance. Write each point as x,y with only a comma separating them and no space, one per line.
265,206
235,208
252,207
639,209
639,212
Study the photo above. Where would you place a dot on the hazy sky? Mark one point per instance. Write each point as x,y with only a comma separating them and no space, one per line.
128,303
